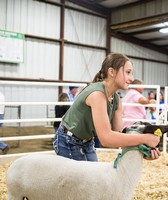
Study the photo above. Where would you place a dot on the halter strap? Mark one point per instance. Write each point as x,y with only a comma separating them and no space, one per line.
142,148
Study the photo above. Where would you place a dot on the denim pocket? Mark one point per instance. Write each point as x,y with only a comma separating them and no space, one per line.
61,144
73,148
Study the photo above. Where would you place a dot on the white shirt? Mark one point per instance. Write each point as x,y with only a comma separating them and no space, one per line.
2,107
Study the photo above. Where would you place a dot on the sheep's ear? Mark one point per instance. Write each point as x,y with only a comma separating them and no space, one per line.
164,128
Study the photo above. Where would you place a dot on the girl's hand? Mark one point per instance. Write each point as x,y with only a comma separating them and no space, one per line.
155,154
152,140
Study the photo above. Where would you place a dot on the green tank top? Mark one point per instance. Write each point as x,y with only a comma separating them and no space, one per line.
78,119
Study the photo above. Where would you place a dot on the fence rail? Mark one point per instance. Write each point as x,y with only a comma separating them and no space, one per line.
69,103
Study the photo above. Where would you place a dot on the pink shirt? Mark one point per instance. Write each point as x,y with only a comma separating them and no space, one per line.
133,112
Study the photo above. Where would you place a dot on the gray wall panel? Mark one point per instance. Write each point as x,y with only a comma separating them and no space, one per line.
30,17
41,60
41,57
81,64
84,28
149,72
154,74
135,50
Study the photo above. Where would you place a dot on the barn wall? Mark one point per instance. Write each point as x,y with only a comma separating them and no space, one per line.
41,56
151,72
40,22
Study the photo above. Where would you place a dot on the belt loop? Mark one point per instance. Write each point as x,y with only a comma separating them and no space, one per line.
69,133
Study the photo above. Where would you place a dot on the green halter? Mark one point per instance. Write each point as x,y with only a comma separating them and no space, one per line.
142,148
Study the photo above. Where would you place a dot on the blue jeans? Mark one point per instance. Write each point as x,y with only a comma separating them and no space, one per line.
97,143
73,148
3,145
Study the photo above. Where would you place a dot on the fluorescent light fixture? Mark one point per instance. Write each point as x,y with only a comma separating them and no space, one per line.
164,30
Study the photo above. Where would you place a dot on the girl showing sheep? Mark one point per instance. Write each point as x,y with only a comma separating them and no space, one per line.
97,111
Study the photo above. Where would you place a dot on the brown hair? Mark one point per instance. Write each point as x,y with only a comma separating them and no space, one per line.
63,97
136,81
114,60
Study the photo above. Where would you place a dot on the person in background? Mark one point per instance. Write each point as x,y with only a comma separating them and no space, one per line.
134,95
151,95
3,146
60,110
151,111
161,98
161,102
72,93
97,111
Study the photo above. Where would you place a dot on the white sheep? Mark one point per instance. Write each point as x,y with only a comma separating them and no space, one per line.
51,177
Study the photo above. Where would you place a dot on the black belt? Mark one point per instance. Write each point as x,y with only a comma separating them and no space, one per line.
72,135
63,127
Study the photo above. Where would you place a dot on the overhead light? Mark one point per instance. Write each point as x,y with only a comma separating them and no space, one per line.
163,30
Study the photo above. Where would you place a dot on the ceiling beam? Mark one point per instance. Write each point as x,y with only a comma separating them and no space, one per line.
146,21
165,45
139,42
158,39
128,5
143,31
94,7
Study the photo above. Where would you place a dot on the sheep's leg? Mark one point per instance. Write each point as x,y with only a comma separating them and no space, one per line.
16,197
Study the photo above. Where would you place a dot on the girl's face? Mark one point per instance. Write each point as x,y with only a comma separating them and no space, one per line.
124,77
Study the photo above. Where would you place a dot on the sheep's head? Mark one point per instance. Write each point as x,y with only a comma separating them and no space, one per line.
145,127
142,127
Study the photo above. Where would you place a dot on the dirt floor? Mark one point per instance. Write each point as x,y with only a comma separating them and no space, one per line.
152,186
24,146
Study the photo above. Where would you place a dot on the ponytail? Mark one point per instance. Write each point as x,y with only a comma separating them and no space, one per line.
98,77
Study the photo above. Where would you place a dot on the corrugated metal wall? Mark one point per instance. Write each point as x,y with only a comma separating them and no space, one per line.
41,57
38,55
34,18
84,28
135,50
151,72
81,62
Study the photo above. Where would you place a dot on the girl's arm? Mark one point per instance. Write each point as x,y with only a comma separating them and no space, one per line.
117,122
112,138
